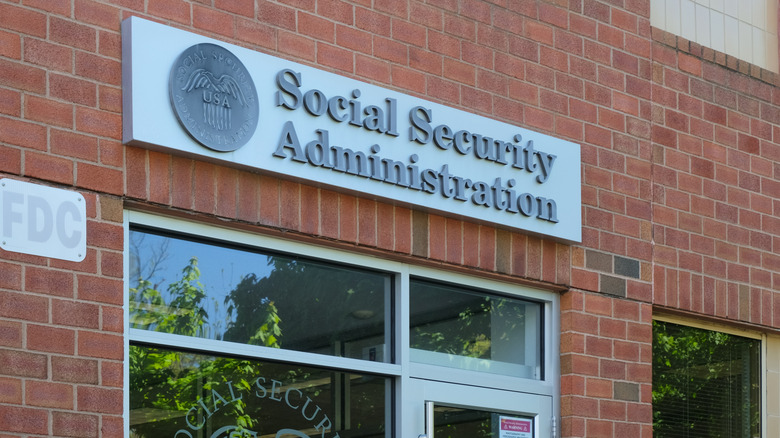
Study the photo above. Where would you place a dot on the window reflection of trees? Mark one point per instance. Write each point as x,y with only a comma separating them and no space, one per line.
318,299
323,308
705,383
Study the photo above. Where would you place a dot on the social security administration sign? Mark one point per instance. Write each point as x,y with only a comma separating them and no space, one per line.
191,95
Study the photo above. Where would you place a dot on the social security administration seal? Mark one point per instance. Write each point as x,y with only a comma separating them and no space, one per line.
214,97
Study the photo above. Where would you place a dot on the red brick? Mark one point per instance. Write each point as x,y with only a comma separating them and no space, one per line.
538,32
73,34
477,100
390,50
10,333
435,227
97,13
110,44
240,7
491,37
297,46
213,20
107,401
176,10
428,15
112,319
48,111
253,32
477,54
48,394
112,426
24,420
45,281
74,370
98,68
23,364
112,374
71,424
72,144
335,57
310,210
269,200
337,10
73,90
100,345
280,15
10,45
445,90
598,388
99,178
353,39
99,289
20,133
289,205
425,61
409,33
60,7
470,244
393,7
316,27
248,197
50,339
10,102
348,227
553,15
454,241
22,20
459,71
75,314
460,27
99,123
329,213
539,119
508,21
10,390
373,69
373,22
367,222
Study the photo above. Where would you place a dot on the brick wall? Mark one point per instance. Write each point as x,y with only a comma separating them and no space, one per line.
680,166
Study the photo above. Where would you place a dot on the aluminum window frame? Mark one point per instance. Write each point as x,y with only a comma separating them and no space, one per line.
736,331
402,371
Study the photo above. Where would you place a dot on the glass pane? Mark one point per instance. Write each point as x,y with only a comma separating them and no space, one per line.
705,383
460,328
455,422
185,395
220,292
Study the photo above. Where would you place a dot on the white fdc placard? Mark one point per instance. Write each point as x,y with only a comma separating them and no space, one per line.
331,131
42,221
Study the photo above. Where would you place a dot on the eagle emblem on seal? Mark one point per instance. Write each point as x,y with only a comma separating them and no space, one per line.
213,97
217,96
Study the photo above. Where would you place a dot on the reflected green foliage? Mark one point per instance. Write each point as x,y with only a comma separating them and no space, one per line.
246,296
449,320
314,303
168,381
173,390
467,334
705,383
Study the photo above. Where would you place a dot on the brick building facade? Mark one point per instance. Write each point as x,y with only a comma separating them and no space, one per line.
680,163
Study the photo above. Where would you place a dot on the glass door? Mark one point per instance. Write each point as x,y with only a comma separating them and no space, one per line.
446,410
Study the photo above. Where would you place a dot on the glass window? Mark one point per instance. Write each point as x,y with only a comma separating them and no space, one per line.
237,335
705,383
459,422
188,395
462,328
211,290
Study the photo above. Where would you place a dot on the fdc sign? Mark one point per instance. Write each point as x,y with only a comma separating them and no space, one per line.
42,221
